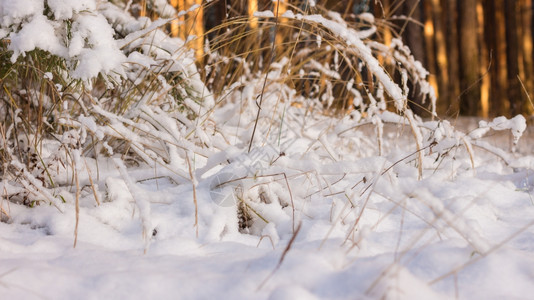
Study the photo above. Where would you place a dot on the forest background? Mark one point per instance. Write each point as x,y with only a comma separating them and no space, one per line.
478,52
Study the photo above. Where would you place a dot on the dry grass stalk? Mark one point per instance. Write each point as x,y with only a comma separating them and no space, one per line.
194,184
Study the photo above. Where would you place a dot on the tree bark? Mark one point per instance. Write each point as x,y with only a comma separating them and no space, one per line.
430,56
526,66
441,53
413,33
469,59
484,63
500,104
514,89
451,37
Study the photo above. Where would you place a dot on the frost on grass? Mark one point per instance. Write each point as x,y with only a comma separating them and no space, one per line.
135,147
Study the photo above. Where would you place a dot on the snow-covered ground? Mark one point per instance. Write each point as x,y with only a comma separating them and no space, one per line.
322,221
371,205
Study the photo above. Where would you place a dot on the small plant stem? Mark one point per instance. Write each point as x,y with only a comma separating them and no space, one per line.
194,191
273,48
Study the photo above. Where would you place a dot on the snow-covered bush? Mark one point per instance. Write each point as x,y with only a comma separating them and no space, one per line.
85,79
71,30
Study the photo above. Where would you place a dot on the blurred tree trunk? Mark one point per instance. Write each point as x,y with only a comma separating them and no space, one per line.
175,24
441,52
251,8
484,63
429,46
501,102
412,31
214,15
191,24
512,53
469,59
279,8
382,12
451,9
526,65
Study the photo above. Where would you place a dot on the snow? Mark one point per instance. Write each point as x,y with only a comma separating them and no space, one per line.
38,33
87,43
100,54
375,206
15,11
65,9
455,232
266,14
